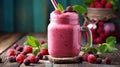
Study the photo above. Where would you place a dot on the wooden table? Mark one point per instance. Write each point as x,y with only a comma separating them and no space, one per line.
8,39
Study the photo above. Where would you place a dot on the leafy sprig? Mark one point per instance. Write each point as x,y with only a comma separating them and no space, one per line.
35,44
107,47
60,7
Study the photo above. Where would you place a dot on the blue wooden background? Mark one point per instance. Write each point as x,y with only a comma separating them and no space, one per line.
28,15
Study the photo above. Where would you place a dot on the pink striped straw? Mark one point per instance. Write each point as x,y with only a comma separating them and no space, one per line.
54,3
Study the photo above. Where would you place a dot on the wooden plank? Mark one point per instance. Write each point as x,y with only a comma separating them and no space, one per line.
7,40
7,63
3,60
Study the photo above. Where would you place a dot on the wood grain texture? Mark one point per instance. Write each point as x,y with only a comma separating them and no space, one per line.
7,40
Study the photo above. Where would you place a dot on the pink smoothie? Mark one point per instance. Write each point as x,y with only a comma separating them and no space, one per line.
64,36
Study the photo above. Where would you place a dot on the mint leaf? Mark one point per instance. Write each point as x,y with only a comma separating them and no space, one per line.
25,43
79,9
60,7
102,48
111,38
44,46
36,50
33,42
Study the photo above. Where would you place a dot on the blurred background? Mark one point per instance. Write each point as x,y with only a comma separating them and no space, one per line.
28,15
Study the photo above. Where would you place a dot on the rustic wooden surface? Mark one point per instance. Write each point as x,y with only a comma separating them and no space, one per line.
8,39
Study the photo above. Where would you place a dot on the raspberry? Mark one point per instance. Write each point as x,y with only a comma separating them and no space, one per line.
0,60
108,5
26,62
98,60
57,12
27,49
12,59
107,34
100,30
92,5
44,51
69,9
91,58
85,56
31,58
36,60
101,23
102,36
103,2
19,48
98,5
98,40
11,52
107,60
42,41
39,55
24,53
20,58
15,46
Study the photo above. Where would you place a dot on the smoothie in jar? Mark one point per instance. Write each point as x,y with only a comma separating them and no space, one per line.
64,36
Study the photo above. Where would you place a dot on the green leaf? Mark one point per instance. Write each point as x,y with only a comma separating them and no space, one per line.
79,9
44,46
25,43
33,42
60,7
36,50
109,39
102,48
94,50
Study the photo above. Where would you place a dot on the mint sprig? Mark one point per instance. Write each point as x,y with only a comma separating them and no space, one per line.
107,47
35,44
79,9
60,7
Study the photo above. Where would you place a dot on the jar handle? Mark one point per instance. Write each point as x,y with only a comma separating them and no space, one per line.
89,33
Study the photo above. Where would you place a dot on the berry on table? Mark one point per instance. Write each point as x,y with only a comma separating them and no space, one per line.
11,52
27,49
39,55
31,58
107,60
85,56
26,62
44,51
12,59
19,48
36,60
15,46
0,60
20,58
98,60
42,41
91,58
